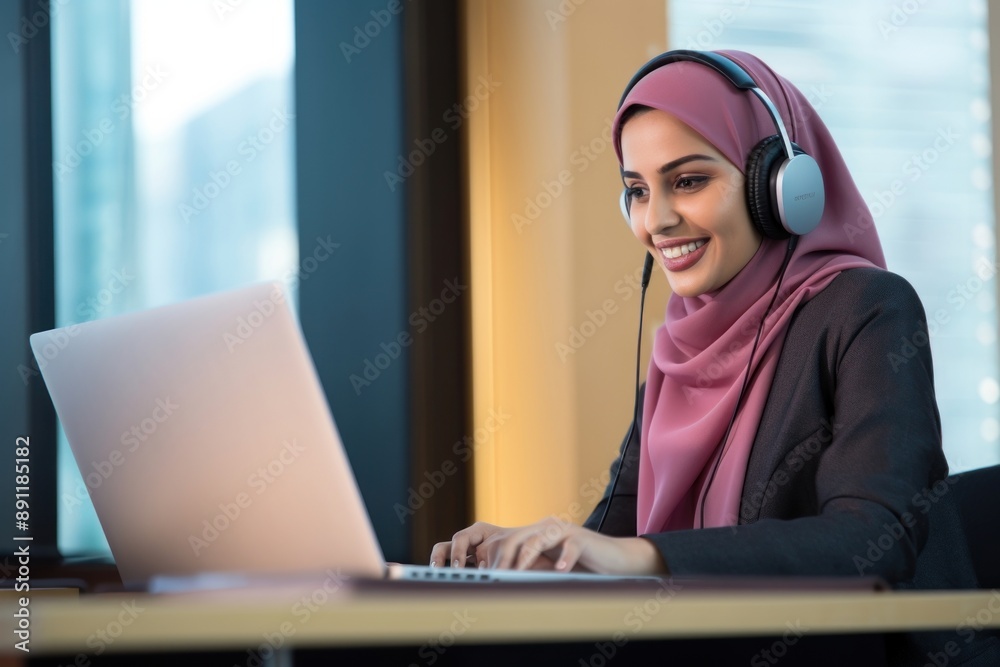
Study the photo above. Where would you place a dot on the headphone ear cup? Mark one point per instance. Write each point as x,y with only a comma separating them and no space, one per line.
761,175
623,203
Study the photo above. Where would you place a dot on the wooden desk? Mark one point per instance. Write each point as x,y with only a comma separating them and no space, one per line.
326,617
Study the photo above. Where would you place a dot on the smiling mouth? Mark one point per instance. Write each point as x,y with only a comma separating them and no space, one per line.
681,250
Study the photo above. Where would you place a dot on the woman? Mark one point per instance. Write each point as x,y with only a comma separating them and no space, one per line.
825,468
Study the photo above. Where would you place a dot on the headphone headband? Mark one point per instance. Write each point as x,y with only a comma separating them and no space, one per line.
728,68
721,64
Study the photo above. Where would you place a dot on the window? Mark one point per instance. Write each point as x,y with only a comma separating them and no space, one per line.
904,88
173,135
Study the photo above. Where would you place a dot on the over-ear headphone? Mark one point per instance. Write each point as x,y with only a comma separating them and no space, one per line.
784,186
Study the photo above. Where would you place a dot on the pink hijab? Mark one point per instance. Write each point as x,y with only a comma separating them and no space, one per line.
700,354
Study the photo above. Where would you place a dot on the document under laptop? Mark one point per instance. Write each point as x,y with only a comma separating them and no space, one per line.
206,444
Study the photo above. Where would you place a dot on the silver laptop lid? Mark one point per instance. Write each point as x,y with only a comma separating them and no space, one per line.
205,439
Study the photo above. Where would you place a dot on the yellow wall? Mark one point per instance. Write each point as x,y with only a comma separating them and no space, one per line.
560,67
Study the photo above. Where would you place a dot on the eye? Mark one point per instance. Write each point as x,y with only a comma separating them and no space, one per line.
634,192
690,183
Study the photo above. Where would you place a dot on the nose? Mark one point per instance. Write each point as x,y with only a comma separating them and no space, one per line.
660,214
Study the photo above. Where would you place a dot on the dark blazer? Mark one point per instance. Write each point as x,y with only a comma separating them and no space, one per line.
846,472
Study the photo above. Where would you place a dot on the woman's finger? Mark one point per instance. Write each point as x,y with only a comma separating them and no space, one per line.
508,548
550,537
504,549
439,553
465,541
569,555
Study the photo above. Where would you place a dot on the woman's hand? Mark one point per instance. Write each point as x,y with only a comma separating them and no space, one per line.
464,547
549,544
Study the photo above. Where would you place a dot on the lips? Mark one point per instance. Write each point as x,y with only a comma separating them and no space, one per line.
673,251
684,261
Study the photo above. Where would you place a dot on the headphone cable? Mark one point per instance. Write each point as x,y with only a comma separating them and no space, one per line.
647,270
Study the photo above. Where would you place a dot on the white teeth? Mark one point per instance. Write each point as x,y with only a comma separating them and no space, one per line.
681,250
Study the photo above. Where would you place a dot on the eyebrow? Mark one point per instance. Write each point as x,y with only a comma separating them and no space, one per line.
672,165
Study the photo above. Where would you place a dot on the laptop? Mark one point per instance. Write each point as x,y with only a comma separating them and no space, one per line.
206,444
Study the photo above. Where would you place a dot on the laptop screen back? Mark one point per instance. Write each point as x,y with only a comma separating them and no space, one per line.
206,443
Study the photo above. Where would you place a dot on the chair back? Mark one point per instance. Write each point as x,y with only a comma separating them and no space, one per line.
977,493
